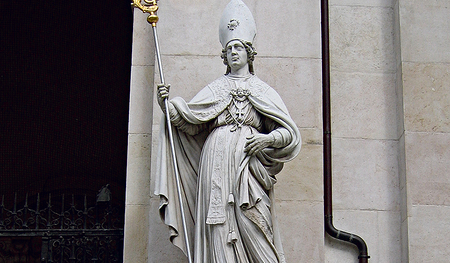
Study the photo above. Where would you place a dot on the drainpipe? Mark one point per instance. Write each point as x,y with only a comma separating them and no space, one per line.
326,111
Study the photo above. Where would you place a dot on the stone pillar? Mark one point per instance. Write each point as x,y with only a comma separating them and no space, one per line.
137,204
425,63
364,125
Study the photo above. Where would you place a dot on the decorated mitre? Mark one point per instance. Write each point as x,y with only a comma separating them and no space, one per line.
236,23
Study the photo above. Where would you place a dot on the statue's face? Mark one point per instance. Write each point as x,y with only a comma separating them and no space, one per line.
236,55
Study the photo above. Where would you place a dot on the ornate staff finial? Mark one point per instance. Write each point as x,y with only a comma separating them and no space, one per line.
149,6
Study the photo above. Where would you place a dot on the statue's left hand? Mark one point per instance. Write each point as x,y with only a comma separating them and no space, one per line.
162,94
257,142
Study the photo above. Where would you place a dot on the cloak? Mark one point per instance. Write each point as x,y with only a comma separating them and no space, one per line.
204,108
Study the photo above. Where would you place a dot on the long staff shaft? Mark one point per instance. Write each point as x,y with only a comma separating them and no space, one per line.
172,147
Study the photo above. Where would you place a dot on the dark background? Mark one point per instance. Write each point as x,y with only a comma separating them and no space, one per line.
64,79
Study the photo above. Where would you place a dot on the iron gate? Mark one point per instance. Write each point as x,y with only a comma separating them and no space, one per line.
62,230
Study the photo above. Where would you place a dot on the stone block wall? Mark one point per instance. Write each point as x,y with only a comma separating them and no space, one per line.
364,123
425,180
137,204
389,121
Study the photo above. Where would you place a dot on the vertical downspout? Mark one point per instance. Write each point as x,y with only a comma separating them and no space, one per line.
326,111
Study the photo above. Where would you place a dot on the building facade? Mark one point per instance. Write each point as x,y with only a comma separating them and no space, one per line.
390,69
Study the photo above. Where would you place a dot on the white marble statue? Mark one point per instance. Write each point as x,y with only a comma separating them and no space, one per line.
231,140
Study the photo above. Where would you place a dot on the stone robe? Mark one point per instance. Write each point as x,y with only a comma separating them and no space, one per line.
228,195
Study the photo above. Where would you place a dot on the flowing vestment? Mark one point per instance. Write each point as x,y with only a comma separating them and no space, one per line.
228,195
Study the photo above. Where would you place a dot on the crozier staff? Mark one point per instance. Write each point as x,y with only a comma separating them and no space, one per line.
230,140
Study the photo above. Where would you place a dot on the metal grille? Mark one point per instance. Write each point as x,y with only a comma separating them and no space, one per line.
62,230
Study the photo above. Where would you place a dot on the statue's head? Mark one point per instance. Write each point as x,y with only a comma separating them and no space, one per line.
237,24
234,45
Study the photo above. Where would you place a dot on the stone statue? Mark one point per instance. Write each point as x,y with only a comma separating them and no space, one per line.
231,140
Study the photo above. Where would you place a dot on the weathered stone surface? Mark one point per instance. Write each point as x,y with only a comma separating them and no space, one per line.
135,239
400,102
301,230
190,28
425,66
429,229
154,151
298,83
378,3
143,53
405,202
367,43
388,237
364,105
427,96
295,30
427,156
365,174
404,241
302,179
425,27
141,96
138,169
312,135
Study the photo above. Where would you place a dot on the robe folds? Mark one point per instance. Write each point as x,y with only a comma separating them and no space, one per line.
227,195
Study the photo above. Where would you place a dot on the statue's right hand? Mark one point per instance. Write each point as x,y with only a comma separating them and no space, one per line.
162,94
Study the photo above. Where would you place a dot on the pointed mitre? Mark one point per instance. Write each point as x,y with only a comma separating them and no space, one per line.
236,23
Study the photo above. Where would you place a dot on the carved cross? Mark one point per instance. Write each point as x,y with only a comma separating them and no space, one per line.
240,113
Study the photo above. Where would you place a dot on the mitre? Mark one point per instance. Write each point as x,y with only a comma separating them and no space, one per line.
236,23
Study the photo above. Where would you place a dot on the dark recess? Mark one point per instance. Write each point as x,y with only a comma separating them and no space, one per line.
64,79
